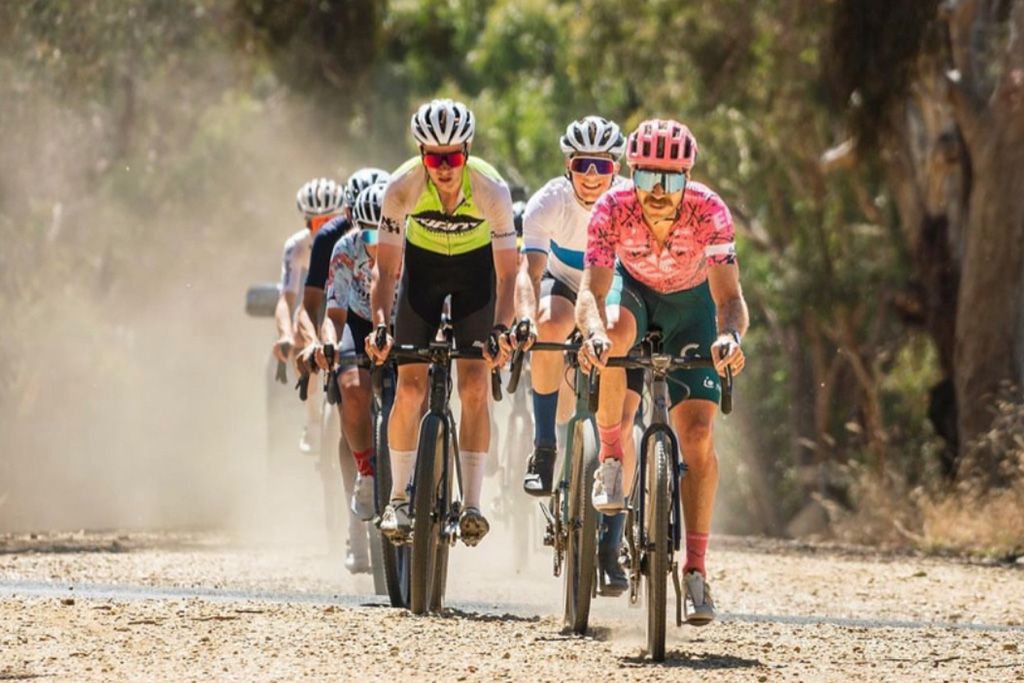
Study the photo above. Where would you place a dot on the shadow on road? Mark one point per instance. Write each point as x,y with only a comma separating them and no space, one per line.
699,661
453,613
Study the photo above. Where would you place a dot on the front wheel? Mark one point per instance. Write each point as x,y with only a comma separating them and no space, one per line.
581,539
394,559
659,487
428,518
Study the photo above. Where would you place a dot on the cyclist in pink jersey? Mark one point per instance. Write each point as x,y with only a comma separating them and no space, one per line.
673,242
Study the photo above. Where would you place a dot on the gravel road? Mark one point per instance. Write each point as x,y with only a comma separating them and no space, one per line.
211,607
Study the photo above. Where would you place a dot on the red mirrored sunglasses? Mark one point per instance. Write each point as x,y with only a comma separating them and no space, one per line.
436,159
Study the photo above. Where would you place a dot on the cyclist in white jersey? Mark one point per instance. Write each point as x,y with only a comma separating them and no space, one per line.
319,200
554,241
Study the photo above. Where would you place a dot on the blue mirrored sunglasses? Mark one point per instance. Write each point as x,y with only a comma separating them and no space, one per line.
670,182
369,235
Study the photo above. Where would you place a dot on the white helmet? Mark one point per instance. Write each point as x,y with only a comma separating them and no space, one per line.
362,179
367,207
443,122
320,196
593,135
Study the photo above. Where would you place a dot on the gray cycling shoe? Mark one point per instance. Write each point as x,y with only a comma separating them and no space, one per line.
473,526
698,607
607,496
395,522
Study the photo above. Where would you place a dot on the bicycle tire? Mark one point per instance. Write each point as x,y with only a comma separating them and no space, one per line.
426,529
440,583
581,541
394,559
659,475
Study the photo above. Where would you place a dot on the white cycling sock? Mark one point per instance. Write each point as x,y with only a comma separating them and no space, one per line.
473,463
402,465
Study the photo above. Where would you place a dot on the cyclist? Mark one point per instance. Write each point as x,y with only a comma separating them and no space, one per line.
554,241
320,257
348,318
452,212
675,245
319,200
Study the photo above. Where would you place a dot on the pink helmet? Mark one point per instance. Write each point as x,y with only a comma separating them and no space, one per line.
662,144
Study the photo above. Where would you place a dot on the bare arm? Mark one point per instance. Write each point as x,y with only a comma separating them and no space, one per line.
724,281
505,274
382,284
733,317
312,300
528,284
334,323
283,315
591,317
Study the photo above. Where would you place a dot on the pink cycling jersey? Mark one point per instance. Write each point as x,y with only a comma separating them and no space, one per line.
704,234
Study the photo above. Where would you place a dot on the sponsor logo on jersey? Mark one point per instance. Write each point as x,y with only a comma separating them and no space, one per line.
439,221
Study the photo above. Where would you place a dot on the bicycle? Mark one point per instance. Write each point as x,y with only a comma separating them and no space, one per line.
338,463
654,521
572,522
432,500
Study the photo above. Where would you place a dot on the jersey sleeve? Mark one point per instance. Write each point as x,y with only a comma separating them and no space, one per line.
495,202
716,223
291,264
602,234
399,199
538,219
340,275
320,257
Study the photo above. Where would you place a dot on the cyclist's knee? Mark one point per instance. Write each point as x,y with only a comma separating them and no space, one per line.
695,437
410,394
355,399
622,334
473,386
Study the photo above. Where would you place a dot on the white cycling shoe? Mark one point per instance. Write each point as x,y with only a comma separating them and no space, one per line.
309,442
698,607
362,497
395,523
608,496
357,552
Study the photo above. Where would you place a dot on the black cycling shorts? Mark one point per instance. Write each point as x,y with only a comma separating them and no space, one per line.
357,329
428,278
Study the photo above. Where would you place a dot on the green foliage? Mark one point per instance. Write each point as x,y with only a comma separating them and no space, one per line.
168,95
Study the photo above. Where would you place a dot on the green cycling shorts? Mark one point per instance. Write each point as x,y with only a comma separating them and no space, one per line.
688,323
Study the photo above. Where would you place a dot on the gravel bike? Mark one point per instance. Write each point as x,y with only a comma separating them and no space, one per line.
433,501
654,520
572,522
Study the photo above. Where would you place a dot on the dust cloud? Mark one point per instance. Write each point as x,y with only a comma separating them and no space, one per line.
132,384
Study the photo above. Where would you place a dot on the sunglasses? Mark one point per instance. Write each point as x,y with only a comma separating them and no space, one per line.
369,235
436,159
585,164
670,182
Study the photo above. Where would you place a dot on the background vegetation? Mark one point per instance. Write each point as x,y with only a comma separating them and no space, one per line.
872,153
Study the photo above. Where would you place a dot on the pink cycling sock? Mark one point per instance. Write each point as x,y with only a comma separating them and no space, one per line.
696,547
611,442
364,462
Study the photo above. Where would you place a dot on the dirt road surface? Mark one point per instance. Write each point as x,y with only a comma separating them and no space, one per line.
208,607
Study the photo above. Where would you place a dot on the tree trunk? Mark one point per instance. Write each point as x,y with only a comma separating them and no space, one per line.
990,112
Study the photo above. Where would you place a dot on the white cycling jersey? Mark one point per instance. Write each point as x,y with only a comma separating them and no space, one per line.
555,223
295,261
